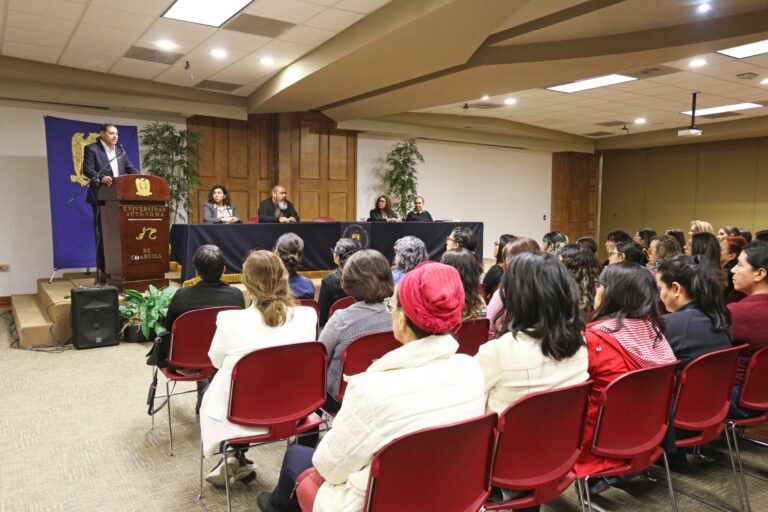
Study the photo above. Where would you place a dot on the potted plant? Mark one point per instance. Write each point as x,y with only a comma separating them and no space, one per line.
144,313
400,177
171,154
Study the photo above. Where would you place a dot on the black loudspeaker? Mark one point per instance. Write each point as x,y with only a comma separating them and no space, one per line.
95,317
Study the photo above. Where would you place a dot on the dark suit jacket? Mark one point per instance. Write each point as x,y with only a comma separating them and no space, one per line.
690,334
204,294
94,160
375,215
267,211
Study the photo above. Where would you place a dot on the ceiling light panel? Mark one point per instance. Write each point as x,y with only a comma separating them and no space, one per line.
724,108
592,83
746,50
205,12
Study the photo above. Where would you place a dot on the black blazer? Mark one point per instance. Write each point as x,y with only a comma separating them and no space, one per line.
94,160
375,215
267,211
690,334
418,217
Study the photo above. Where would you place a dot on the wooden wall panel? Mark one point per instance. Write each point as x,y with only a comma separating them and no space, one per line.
310,204
237,149
309,143
337,205
337,155
575,181
203,126
220,147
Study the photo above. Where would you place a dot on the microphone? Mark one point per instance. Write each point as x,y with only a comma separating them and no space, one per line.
122,151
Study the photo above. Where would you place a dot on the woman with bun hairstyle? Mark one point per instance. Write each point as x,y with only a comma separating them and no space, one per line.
290,249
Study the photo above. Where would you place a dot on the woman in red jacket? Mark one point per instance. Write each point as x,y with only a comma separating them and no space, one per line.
626,334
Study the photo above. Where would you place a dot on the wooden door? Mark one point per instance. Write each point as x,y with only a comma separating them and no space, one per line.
575,190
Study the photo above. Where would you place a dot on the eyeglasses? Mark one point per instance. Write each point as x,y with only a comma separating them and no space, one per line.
613,253
389,305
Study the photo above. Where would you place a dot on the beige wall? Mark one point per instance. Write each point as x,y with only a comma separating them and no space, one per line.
661,188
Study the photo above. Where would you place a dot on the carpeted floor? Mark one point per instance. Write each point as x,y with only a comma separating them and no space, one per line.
76,436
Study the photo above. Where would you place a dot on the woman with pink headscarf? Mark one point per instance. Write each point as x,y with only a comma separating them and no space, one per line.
422,384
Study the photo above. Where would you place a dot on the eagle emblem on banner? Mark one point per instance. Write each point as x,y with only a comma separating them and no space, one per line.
79,141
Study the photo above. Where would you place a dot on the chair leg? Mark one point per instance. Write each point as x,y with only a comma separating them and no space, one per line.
580,493
170,425
736,479
586,493
743,479
152,406
200,496
224,453
669,482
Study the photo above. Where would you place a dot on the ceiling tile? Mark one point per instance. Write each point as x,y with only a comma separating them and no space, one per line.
31,52
177,75
306,35
327,3
22,35
294,11
138,68
63,9
334,19
85,60
182,45
106,17
107,34
86,45
174,29
146,7
244,71
285,49
36,22
230,39
360,6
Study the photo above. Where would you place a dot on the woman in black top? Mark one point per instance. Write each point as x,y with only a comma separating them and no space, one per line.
493,276
330,286
382,211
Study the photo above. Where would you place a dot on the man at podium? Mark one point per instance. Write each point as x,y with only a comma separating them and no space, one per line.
103,161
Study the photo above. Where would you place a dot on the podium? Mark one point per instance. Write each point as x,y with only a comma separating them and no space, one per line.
134,225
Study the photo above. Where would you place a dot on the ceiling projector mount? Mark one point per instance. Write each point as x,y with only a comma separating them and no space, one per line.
691,131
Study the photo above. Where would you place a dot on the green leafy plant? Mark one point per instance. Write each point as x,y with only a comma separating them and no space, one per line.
400,177
148,309
171,154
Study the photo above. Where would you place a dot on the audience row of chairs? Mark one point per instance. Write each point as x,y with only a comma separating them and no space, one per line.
528,448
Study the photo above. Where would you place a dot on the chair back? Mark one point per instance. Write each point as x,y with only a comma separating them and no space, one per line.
312,303
536,448
442,468
754,389
342,303
361,352
633,415
253,220
191,336
278,386
323,219
471,335
704,394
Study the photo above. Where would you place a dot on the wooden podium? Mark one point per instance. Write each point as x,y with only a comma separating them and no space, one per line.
134,224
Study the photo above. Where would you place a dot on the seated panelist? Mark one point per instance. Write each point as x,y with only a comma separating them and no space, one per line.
382,211
219,209
418,214
277,208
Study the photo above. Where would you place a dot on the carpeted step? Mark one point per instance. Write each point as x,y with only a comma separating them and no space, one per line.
54,299
33,325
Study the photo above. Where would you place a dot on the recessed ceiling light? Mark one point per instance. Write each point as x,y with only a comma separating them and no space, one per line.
165,44
697,63
746,50
640,120
704,8
485,98
209,13
592,83
219,53
510,101
764,81
267,61
724,108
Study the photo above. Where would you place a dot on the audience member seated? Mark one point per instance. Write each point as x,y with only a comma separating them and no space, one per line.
644,236
762,235
422,384
495,310
698,322
210,292
553,242
272,319
492,278
219,209
409,252
697,226
330,286
588,242
626,334
582,264
627,251
469,268
418,214
382,211
730,249
748,316
290,249
678,235
726,231
746,234
612,239
461,238
367,278
277,208
705,245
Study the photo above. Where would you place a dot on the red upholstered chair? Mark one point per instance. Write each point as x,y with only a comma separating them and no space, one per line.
363,351
441,468
472,334
312,303
253,220
753,395
702,399
279,388
536,449
342,303
632,420
191,336
323,219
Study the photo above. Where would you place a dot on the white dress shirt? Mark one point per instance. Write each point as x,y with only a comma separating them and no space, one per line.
111,154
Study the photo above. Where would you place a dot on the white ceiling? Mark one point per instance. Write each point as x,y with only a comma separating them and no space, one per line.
96,34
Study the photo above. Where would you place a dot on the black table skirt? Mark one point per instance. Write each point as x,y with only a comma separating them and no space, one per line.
237,240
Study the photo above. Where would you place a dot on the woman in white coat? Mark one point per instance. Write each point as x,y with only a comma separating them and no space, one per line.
272,319
422,384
